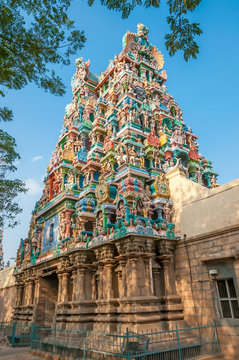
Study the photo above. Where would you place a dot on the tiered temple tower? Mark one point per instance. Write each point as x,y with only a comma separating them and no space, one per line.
100,249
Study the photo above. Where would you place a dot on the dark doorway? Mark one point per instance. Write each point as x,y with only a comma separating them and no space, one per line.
48,294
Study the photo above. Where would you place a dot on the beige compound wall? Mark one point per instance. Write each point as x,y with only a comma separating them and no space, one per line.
199,210
209,219
7,294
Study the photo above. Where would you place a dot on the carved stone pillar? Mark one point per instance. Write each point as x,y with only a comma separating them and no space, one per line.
26,295
166,248
105,257
148,275
123,272
30,293
81,283
36,290
65,282
108,283
100,282
157,283
63,173
74,290
165,260
133,284
21,295
60,276
93,285
118,271
17,295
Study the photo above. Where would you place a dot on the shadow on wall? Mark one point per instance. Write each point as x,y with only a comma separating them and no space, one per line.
7,303
7,294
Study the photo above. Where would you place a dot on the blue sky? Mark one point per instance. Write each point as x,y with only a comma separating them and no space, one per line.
206,89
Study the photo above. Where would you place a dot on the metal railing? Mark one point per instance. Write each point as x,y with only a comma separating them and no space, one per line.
176,344
17,335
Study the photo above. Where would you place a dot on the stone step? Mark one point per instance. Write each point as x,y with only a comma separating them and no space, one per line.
213,357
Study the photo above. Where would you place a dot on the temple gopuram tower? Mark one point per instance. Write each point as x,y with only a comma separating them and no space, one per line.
100,248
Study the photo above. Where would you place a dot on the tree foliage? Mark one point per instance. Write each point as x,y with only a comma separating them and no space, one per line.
183,32
9,189
33,35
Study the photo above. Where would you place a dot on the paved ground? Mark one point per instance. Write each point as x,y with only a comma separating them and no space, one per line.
18,353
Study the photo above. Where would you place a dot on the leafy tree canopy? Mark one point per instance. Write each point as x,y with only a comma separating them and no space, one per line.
183,32
9,189
33,35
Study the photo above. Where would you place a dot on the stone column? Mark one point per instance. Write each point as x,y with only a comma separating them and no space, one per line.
98,138
165,260
123,275
133,284
74,289
100,282
21,294
108,283
65,281
64,172
36,290
157,284
18,296
60,276
81,283
30,293
93,285
147,276
26,295
120,282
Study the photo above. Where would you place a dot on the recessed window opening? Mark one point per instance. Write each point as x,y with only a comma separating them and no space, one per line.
227,298
51,233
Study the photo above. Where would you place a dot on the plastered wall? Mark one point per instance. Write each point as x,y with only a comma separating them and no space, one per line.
7,294
199,210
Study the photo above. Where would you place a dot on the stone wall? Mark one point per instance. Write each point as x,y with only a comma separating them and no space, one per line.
7,294
209,224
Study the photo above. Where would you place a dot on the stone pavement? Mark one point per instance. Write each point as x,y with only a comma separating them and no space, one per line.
18,353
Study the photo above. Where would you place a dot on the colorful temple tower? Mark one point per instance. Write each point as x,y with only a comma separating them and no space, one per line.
100,248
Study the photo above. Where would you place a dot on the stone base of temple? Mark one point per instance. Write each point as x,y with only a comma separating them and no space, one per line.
137,313
126,283
116,315
23,315
75,315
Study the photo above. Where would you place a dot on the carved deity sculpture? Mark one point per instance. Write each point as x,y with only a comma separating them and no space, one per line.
141,159
146,119
108,144
132,155
167,212
213,181
120,211
122,154
70,181
157,160
102,191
